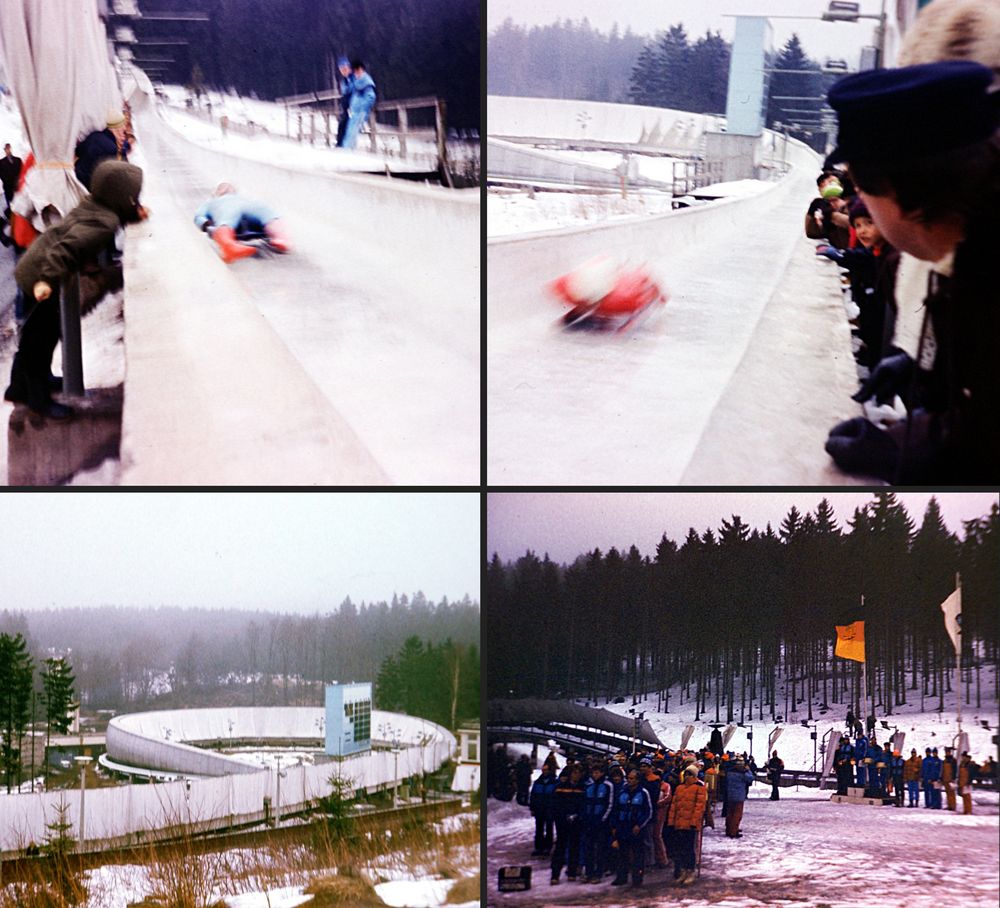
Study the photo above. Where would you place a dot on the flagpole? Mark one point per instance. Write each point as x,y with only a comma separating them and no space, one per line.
958,655
864,673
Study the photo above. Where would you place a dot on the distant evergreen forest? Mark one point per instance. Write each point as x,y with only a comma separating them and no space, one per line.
122,656
670,69
743,617
275,48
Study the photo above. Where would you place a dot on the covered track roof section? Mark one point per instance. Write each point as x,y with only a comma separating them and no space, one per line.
566,722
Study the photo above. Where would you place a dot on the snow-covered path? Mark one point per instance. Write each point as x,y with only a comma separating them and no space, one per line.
800,851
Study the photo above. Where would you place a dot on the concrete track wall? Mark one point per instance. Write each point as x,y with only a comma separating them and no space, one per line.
530,260
596,120
508,159
213,394
129,814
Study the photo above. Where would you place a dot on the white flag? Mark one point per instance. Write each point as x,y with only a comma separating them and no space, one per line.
952,608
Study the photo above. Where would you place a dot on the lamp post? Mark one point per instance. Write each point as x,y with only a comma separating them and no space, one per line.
277,795
82,762
840,11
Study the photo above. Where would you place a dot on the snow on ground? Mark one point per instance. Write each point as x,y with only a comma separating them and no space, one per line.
516,213
286,897
922,729
804,851
396,881
275,146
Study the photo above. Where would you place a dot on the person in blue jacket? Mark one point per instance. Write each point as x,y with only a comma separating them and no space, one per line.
860,753
362,101
540,804
930,772
111,142
629,824
227,213
897,766
875,761
599,801
346,86
842,763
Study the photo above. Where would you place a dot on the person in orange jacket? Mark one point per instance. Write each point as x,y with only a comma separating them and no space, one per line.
911,776
685,816
966,773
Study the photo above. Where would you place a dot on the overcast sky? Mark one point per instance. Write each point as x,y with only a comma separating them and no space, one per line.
566,524
277,551
840,40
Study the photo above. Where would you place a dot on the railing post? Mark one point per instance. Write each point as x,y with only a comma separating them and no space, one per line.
371,129
403,126
72,348
442,147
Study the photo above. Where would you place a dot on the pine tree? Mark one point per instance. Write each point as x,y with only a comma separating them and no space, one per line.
58,697
16,674
796,76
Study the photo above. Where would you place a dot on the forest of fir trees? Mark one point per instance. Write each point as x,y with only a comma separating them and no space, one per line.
126,657
671,69
741,620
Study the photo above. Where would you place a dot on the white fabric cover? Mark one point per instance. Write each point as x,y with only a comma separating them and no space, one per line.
55,53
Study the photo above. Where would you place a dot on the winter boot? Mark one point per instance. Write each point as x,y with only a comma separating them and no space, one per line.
231,249
277,236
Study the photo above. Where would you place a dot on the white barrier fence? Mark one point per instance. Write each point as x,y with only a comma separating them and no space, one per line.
131,814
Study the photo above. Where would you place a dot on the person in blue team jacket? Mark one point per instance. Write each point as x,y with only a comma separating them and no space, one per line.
860,752
346,85
629,824
362,101
599,801
930,773
540,804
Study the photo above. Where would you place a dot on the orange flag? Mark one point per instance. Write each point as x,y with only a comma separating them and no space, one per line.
851,641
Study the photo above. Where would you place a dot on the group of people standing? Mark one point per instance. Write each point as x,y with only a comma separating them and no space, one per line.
884,773
624,814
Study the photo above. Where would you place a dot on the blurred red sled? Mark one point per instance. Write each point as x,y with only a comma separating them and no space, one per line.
606,296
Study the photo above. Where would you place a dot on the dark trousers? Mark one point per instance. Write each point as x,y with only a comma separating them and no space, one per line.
897,790
733,818
913,788
774,788
29,374
543,834
567,848
341,128
595,842
632,856
843,778
683,848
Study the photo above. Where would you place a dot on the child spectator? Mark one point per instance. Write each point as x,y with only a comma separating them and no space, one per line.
872,267
62,250
826,217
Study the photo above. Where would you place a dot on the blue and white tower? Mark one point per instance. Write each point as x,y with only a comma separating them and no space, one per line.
348,718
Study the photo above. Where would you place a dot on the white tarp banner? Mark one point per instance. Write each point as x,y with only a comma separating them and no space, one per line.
111,813
55,54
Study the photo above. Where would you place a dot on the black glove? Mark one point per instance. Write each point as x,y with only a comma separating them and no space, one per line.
857,446
206,225
891,376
